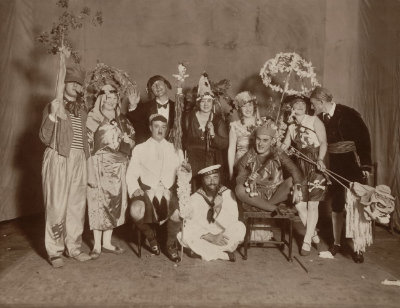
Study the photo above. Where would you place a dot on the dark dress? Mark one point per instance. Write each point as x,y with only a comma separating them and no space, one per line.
346,124
195,143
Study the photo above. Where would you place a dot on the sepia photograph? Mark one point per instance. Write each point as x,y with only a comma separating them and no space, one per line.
200,153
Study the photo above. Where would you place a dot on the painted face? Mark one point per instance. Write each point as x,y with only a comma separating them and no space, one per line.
159,88
317,105
158,130
211,182
206,104
247,110
72,89
111,97
299,108
263,144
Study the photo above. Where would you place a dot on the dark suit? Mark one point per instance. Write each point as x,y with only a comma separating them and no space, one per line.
140,119
346,124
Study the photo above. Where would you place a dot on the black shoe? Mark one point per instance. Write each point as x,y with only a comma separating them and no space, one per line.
231,255
193,255
334,249
172,253
358,257
154,248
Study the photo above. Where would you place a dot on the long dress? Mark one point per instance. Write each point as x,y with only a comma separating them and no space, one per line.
107,191
306,141
244,139
196,144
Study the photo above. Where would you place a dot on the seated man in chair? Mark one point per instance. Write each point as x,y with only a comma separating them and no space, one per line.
260,183
151,178
212,229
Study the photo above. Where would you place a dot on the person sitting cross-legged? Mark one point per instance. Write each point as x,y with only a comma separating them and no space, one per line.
212,229
260,183
151,179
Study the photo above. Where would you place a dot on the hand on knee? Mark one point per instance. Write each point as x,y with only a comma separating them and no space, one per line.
175,216
137,210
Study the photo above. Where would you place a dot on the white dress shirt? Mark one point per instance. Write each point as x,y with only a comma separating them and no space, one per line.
155,163
163,111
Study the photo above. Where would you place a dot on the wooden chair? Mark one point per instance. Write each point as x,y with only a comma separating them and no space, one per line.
282,223
139,242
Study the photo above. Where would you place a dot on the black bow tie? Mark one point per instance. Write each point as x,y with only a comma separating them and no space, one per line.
162,105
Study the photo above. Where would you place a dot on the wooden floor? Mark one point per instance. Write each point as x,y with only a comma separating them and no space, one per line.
265,279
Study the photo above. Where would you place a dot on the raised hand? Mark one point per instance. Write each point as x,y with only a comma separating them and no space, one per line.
54,107
134,98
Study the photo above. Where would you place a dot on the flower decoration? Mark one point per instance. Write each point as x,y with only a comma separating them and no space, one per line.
58,36
283,65
102,75
183,190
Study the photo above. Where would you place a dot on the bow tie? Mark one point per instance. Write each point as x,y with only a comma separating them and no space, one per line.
162,105
326,117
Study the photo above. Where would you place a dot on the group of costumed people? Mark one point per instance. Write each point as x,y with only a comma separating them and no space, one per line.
127,165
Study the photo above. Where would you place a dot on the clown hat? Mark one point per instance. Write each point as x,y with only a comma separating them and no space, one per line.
204,89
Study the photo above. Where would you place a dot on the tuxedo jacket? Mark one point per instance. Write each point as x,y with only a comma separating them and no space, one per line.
140,119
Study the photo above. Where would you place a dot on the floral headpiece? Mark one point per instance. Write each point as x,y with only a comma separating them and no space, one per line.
243,98
103,75
268,128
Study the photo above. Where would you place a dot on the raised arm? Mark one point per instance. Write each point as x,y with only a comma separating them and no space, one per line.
51,110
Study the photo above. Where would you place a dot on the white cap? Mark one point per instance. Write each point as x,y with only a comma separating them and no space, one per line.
209,170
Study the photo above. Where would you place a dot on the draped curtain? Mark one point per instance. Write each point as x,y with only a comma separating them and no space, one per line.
227,38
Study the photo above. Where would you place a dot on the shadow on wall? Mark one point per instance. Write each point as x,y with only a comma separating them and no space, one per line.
29,149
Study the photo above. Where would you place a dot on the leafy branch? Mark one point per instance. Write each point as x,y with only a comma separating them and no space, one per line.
58,36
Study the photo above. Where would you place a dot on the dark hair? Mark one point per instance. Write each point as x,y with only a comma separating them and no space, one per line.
321,93
155,78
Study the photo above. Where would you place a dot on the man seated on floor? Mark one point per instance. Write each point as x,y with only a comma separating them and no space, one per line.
260,183
212,229
151,178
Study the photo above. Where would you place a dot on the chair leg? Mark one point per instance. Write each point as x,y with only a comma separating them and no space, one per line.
246,238
290,239
139,241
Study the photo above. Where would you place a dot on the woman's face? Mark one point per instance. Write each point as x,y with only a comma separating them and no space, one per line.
247,110
110,97
206,104
299,108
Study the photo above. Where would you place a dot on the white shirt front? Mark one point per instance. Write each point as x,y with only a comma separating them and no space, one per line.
154,163
332,110
163,111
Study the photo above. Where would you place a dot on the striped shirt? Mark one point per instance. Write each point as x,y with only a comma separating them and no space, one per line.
77,141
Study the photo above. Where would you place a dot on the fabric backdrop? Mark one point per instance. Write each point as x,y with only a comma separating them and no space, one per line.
351,43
